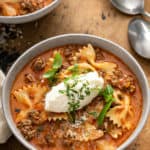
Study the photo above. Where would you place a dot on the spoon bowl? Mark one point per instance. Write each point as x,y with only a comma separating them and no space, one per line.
139,37
130,7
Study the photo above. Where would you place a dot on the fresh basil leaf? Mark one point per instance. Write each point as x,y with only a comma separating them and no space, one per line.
101,116
75,69
108,98
57,61
107,93
108,90
50,74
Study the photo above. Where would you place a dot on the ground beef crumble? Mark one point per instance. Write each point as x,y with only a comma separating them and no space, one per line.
28,6
36,117
122,81
27,129
38,64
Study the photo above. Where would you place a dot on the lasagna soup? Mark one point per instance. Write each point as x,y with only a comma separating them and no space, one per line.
76,97
21,7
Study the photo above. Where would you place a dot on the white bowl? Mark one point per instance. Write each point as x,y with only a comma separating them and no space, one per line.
57,41
31,16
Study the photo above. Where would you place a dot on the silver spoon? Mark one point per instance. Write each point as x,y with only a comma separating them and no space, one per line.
131,7
139,37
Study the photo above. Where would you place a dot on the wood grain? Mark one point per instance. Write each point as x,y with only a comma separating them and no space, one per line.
96,17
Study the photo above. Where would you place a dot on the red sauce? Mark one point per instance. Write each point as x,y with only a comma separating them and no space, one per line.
54,127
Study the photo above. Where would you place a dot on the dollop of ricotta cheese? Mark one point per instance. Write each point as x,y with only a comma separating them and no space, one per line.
55,101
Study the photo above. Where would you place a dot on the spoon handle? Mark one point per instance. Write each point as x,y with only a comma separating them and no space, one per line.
146,14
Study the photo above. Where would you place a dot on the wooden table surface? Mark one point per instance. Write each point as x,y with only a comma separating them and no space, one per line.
96,17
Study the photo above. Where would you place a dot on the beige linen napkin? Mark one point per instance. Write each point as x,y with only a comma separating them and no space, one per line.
5,132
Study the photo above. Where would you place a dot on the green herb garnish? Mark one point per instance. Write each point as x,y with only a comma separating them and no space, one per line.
74,69
94,114
72,116
50,75
75,94
102,114
107,93
73,106
57,61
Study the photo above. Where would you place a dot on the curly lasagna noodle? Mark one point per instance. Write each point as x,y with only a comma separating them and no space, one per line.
76,97
21,7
